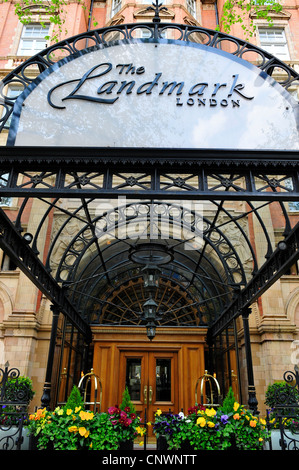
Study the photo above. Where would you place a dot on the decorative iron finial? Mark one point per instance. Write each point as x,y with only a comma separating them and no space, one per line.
157,9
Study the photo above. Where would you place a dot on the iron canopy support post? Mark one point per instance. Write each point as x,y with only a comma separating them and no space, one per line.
46,397
252,400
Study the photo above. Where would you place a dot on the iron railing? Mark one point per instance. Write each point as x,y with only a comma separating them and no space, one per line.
14,398
285,413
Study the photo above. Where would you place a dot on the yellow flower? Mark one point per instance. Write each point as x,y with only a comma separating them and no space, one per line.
86,415
252,423
140,430
201,421
141,443
158,412
263,421
211,424
236,416
69,411
73,429
149,423
78,408
59,411
83,432
236,406
261,439
210,412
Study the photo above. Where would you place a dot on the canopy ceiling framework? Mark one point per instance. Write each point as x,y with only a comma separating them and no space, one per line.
91,256
208,275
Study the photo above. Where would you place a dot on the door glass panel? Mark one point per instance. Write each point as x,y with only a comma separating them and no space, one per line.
133,378
163,379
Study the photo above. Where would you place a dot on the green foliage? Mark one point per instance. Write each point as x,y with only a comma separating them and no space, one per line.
228,401
243,11
126,402
230,426
73,428
75,399
103,435
18,393
175,428
281,393
19,388
28,11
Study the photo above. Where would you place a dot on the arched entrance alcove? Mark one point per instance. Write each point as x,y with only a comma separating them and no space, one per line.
147,180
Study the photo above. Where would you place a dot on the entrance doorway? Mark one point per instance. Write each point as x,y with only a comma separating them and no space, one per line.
152,381
160,374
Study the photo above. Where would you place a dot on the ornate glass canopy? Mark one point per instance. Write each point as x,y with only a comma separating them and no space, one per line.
107,210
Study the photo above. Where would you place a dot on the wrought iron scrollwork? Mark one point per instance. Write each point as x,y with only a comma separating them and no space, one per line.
285,412
14,398
292,378
11,390
124,32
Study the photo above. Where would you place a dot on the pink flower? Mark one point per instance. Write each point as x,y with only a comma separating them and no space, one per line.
113,409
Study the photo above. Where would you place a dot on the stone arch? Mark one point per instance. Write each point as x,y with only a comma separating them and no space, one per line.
5,310
6,302
292,308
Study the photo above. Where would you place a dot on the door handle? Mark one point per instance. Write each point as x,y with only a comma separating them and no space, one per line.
150,395
145,394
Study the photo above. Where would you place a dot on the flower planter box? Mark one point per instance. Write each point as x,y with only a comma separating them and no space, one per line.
126,445
161,443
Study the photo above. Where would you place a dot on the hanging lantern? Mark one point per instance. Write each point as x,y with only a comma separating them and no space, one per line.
151,331
149,310
149,315
151,276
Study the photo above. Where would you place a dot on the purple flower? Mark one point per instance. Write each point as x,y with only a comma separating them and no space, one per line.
224,419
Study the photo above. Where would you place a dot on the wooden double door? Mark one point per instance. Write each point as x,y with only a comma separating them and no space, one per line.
152,381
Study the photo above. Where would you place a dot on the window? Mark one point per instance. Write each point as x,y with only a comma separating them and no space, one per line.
146,33
116,6
4,201
33,39
273,40
191,7
13,92
293,205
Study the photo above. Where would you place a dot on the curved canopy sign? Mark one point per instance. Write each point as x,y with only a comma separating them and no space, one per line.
166,94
